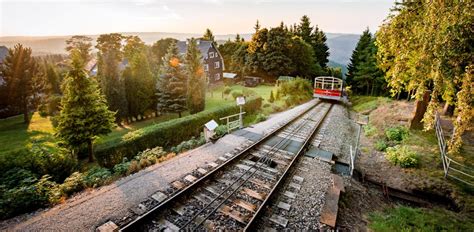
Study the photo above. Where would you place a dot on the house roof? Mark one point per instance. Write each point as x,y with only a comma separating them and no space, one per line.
203,46
3,53
229,75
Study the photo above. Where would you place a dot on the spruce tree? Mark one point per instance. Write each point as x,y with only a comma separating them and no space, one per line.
208,35
172,84
357,55
321,49
84,114
196,78
82,43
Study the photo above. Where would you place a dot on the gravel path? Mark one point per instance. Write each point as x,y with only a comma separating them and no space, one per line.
87,210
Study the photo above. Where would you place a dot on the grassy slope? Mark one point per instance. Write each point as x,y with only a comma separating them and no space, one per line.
403,218
16,135
385,113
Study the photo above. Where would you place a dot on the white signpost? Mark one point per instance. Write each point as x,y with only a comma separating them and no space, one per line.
240,102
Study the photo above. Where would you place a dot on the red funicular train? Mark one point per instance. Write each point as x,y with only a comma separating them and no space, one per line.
330,88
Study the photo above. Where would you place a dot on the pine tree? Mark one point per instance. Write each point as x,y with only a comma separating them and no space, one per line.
82,43
19,70
196,78
257,26
356,57
208,35
172,85
112,86
305,30
84,114
321,49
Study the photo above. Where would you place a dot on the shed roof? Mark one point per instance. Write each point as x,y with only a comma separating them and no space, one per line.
285,78
229,75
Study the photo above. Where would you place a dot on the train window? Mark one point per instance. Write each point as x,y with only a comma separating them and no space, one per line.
327,85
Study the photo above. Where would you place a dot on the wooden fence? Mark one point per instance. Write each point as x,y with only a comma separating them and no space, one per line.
452,168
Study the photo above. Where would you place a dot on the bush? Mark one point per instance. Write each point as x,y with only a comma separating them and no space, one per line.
402,156
260,118
220,131
380,145
21,192
271,99
122,168
97,176
165,134
227,90
236,94
370,130
189,144
397,134
266,105
133,167
74,183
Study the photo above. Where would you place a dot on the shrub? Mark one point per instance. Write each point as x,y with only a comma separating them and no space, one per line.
220,131
402,156
74,183
97,176
266,105
236,94
133,167
122,168
260,118
226,90
189,144
165,134
369,130
398,133
380,145
22,192
271,99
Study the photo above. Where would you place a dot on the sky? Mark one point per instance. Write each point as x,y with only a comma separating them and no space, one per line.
70,17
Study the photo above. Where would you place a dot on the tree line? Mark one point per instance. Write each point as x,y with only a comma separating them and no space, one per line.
295,50
132,80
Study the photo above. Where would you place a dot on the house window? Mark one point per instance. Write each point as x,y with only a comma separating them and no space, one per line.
211,54
217,54
206,67
217,76
217,64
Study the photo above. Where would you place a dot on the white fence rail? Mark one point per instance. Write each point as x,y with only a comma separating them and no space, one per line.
233,121
452,168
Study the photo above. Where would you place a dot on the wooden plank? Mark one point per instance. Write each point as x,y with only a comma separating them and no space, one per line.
246,205
226,210
329,212
254,194
178,184
338,182
168,225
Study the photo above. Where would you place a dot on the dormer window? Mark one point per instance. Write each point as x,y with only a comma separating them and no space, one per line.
211,54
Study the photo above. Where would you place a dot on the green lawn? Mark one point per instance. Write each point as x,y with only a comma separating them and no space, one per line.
16,135
404,218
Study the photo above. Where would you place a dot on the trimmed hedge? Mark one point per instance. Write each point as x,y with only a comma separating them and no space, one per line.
165,134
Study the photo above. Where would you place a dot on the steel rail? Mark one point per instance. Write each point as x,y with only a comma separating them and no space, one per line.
136,221
284,142
250,224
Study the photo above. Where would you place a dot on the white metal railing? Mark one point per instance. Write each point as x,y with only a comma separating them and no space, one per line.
352,161
233,121
464,173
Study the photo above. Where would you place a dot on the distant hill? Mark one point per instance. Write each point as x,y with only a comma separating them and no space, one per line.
340,45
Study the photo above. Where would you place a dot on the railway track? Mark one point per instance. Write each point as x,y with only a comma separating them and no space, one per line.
232,195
